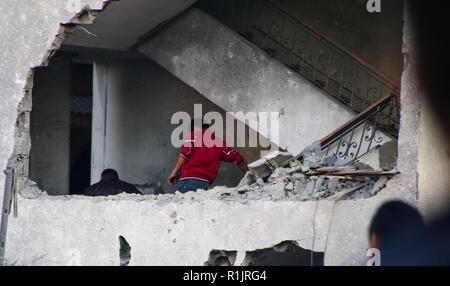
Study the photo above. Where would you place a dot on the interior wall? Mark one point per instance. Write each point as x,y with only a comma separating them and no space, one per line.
50,126
238,76
135,139
374,37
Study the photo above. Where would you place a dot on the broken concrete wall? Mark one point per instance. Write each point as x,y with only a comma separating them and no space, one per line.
182,229
50,127
160,232
237,76
433,150
434,164
27,35
351,231
141,98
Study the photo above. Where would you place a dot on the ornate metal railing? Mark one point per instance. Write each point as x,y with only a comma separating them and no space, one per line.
359,135
330,67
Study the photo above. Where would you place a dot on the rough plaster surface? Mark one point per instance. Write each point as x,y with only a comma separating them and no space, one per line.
24,48
237,76
434,165
164,232
50,127
159,232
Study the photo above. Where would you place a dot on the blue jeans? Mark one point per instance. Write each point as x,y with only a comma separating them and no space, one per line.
185,186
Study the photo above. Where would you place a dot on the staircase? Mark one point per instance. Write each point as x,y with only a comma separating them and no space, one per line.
336,71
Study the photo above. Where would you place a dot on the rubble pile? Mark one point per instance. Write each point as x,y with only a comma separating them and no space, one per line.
279,176
275,177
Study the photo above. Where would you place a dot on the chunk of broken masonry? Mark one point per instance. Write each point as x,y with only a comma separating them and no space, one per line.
315,149
248,179
31,192
260,168
379,185
276,191
264,167
279,159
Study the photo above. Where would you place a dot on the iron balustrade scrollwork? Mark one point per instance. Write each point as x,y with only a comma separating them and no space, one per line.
306,51
361,134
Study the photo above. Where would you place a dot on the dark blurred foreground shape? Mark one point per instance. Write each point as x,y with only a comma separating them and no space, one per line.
394,223
390,220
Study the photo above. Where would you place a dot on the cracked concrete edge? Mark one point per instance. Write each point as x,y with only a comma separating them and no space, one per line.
25,49
345,232
345,244
236,226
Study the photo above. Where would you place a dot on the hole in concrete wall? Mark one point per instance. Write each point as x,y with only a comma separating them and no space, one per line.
124,251
94,72
60,129
221,258
62,133
286,253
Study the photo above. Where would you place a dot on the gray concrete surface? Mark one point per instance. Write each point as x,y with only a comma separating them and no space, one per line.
434,164
164,230
50,127
123,22
237,76
24,49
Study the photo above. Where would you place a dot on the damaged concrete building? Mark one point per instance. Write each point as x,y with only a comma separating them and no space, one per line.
93,84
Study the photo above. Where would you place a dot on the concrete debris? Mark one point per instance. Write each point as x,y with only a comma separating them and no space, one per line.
150,189
261,168
279,159
260,182
313,150
329,160
276,191
248,179
379,185
332,184
31,191
299,187
318,177
264,167
266,182
290,186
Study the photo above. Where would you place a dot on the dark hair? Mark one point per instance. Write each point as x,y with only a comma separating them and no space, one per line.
110,173
394,218
199,123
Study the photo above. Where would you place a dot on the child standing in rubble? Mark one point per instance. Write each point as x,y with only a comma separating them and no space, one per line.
200,158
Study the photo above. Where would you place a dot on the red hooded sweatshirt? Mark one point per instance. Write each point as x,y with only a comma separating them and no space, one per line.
203,152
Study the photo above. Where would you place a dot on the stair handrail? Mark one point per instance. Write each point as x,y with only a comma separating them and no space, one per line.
355,121
322,36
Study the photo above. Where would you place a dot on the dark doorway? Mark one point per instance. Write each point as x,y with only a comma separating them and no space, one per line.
80,127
